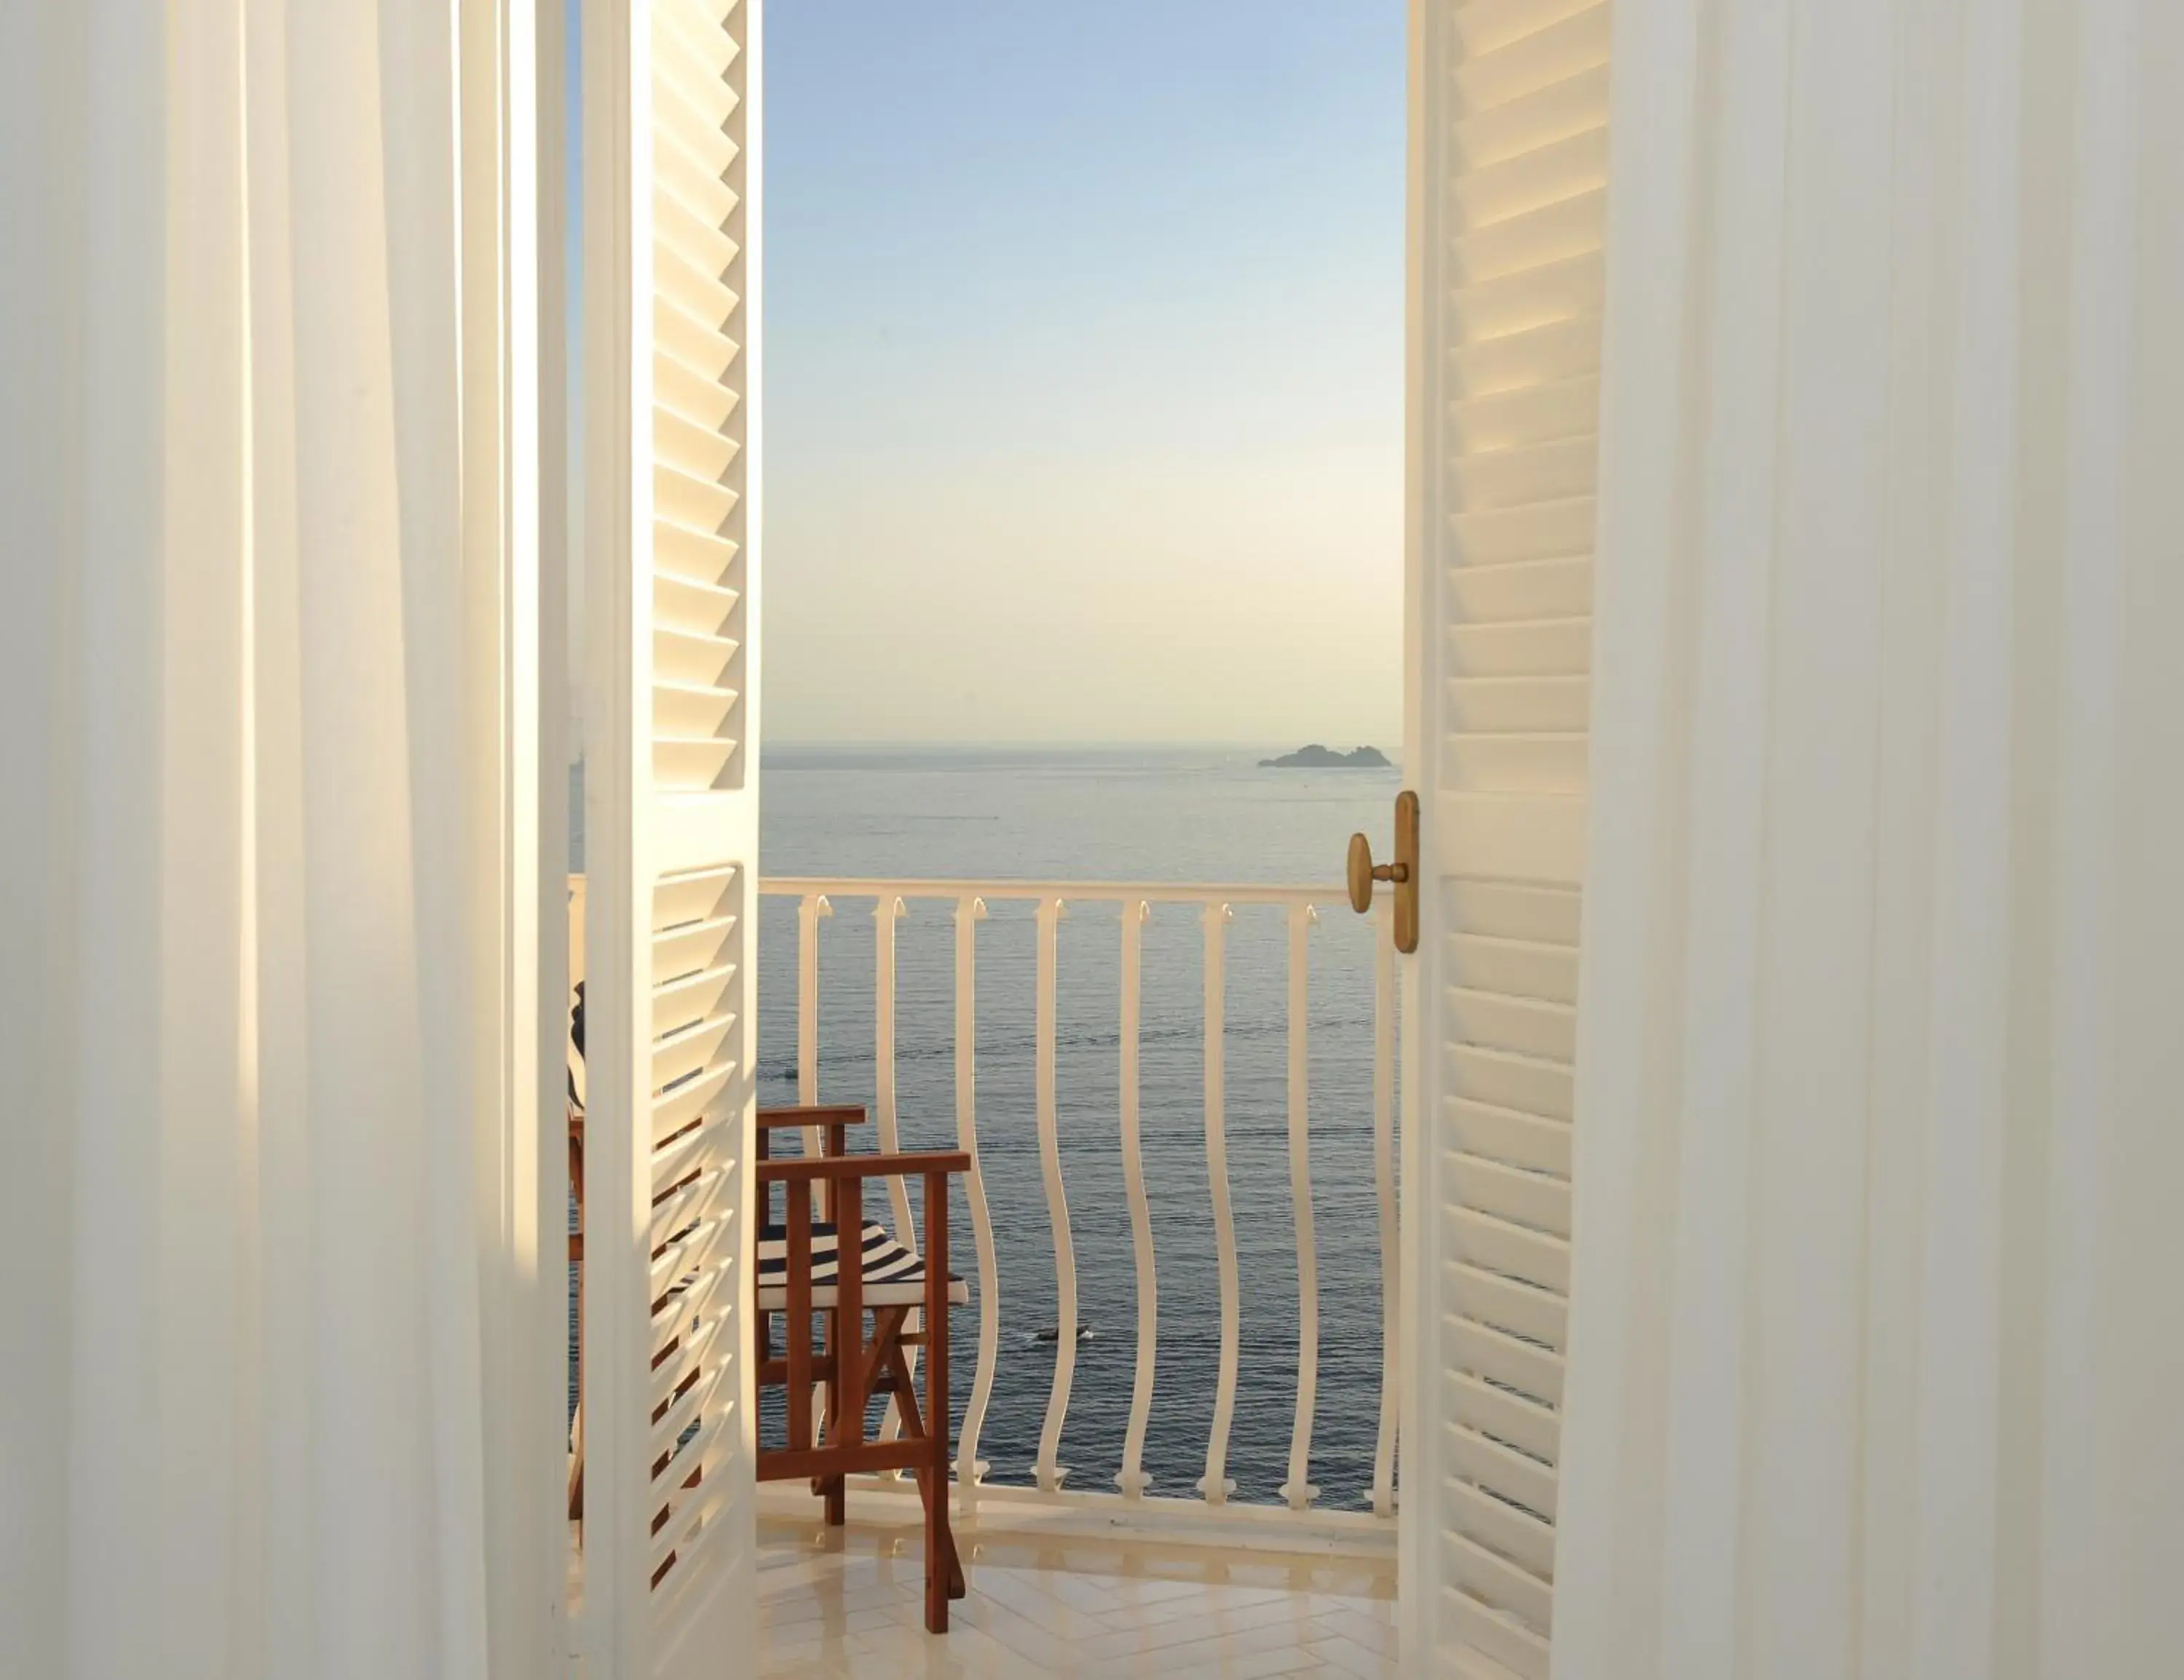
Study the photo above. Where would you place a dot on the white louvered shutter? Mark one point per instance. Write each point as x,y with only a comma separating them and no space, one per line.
670,228
1508,205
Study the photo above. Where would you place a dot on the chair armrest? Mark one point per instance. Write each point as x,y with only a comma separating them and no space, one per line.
809,1170
841,1114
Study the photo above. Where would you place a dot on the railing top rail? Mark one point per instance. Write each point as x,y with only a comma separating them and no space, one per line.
1085,891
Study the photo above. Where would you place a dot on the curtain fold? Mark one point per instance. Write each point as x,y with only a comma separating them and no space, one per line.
256,863
1877,1336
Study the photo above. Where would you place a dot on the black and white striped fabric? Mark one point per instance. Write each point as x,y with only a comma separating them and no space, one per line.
893,1276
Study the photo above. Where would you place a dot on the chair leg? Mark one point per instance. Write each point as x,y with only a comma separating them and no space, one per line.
943,1568
897,1359
939,1548
833,1490
934,1486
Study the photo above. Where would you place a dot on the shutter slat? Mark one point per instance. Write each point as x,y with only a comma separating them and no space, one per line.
1505,910
700,294
1561,43
1539,412
1564,471
1531,1315
691,393
1555,112
682,656
1527,1084
1545,530
690,948
692,896
1485,310
705,351
677,1004
690,765
681,106
685,711
1515,1651
1558,233
1554,173
1516,1251
696,1201
1484,1566
1530,648
687,604
1515,968
1520,705
1505,1416
1536,1200
699,451
702,244
699,504
684,176
1505,1472
1497,1133
672,1110
1523,590
1484,26
1527,1025
1566,347
1528,1370
704,558
1515,764
688,1050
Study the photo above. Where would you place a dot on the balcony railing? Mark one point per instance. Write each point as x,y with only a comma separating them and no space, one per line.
1134,904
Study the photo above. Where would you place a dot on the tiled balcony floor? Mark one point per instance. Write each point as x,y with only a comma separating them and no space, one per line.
850,1603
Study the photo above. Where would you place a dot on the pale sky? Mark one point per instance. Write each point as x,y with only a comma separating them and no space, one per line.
1084,379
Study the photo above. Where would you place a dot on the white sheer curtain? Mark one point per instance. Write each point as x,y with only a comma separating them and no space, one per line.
1878,1333
269,1203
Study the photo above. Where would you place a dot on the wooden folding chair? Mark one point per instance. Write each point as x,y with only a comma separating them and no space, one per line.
800,1274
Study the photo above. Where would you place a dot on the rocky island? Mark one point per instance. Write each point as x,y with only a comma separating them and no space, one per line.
1316,757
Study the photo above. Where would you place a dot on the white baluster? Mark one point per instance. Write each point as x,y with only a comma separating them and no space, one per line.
970,1468
1383,1170
1050,1474
1215,1485
1133,1480
887,911
808,909
1298,1490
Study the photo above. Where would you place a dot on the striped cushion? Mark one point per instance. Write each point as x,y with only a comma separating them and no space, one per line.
893,1276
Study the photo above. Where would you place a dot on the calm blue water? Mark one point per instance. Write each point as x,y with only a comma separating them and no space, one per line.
1154,815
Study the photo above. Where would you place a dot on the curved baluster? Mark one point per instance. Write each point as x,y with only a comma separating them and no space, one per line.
1133,1480
1050,914
1298,1490
970,1468
887,911
1215,1485
1384,1172
808,909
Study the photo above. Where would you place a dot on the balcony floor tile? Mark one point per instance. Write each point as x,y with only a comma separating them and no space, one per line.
850,1602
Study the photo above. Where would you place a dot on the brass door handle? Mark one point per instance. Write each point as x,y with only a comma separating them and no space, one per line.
1402,874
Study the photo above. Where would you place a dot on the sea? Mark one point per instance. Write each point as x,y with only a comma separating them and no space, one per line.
1208,814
